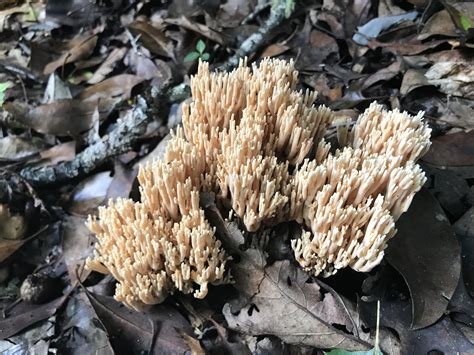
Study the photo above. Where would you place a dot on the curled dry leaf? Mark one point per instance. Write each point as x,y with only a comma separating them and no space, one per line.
427,254
116,55
118,88
81,48
453,78
152,38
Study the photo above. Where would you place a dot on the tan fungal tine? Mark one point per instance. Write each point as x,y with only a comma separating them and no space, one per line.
152,257
258,143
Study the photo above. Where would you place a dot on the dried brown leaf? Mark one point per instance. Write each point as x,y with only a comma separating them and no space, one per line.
283,301
153,38
155,331
77,245
61,118
24,315
80,51
427,254
15,148
452,150
203,30
116,55
117,88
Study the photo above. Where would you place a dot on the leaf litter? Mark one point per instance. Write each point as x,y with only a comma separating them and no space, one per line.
71,73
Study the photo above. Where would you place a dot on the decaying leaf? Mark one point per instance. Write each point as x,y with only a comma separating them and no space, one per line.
77,245
81,48
61,118
118,88
152,38
453,78
427,255
452,150
116,55
24,315
155,332
282,300
18,148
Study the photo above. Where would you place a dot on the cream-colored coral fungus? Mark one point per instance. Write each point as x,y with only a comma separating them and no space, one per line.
256,141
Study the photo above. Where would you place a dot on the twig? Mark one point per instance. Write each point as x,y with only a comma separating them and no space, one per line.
258,9
259,38
117,142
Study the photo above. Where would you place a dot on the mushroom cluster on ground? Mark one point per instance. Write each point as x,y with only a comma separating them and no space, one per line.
255,141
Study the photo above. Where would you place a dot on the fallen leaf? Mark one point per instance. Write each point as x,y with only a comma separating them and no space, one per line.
203,30
406,47
81,50
117,88
413,79
375,26
122,181
465,225
426,253
81,330
115,56
77,245
61,118
441,337
383,74
455,149
25,315
449,189
33,341
152,38
56,89
58,153
90,193
453,78
438,24
282,301
15,148
133,332
274,50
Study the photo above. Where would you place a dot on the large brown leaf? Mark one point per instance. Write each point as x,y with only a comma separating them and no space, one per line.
455,149
156,332
62,117
283,301
427,254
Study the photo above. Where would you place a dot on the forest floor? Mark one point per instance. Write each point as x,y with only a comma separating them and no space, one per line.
89,89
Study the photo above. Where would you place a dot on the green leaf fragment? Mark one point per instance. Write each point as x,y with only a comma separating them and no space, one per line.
205,57
466,23
200,46
4,87
191,56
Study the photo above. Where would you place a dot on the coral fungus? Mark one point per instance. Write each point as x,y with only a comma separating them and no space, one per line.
257,142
